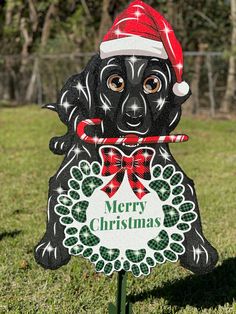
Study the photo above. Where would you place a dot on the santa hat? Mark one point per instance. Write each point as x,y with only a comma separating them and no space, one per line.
141,30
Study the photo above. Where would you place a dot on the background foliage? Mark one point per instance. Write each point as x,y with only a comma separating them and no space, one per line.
44,42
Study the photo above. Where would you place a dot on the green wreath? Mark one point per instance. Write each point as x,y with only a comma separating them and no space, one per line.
72,207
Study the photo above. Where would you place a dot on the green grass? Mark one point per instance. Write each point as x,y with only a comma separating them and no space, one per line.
26,165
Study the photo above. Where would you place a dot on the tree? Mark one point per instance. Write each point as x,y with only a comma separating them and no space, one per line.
230,87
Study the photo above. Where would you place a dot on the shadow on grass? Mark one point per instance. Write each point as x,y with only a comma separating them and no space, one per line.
210,290
9,234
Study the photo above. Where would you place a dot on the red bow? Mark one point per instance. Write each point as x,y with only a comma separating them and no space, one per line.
136,165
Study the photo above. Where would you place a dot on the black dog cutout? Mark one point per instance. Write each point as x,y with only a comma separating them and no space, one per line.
87,95
131,94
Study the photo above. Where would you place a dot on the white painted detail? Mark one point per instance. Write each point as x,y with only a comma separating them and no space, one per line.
139,46
163,76
122,106
138,6
48,209
89,94
134,125
38,247
140,69
168,69
86,151
66,165
55,228
71,114
126,19
132,68
191,190
131,131
107,66
181,89
45,249
145,104
199,235
75,123
207,255
62,97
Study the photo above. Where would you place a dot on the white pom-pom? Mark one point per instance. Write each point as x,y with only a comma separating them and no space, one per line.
181,89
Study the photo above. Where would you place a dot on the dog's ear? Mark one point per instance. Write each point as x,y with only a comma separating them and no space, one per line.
175,109
76,99
179,100
75,103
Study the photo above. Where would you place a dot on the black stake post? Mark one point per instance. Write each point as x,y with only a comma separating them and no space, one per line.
122,305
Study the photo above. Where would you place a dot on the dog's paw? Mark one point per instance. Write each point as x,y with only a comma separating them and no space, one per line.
200,256
60,145
51,255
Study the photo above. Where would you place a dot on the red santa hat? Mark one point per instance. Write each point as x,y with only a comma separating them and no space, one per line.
141,30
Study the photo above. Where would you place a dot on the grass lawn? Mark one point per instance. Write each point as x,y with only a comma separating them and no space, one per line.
26,165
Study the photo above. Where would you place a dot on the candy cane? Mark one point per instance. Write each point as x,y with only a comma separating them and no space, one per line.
128,139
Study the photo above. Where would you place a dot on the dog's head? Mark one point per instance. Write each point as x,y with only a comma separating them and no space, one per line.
134,96
131,94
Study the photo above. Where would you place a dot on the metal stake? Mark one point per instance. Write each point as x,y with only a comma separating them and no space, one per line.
122,305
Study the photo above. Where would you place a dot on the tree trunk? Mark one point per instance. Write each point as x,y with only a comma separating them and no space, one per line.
6,80
230,87
195,99
211,86
31,86
9,12
33,15
47,23
86,10
104,24
27,38
171,12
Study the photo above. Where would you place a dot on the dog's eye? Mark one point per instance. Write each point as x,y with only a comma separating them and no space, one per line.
152,84
116,83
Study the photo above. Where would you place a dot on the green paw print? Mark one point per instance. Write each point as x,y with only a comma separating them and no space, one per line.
85,177
161,188
166,247
160,242
87,237
135,256
79,211
109,254
168,182
109,261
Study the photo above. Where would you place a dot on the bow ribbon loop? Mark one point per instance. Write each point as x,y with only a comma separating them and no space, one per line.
137,165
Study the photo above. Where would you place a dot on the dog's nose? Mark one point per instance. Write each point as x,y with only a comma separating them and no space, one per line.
133,108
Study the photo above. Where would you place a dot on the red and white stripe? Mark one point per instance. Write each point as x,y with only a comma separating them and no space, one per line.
128,139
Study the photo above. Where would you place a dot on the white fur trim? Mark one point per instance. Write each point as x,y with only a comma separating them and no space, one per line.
133,45
181,89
